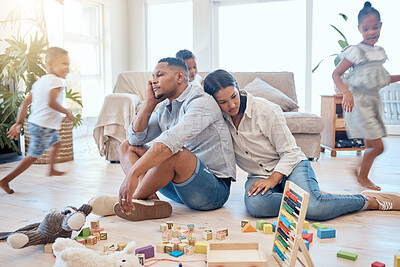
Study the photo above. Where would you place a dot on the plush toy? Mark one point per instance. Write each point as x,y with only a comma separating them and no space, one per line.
70,253
54,225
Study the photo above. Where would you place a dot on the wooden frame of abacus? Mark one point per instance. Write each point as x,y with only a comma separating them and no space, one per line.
288,239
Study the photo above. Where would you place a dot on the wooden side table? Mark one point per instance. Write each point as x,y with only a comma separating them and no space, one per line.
331,111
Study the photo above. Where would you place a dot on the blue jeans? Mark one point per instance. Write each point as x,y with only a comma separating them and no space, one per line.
320,206
202,191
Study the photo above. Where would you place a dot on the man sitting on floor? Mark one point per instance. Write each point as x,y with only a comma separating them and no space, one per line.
191,160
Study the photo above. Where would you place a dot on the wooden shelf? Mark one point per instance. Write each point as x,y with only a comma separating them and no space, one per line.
331,108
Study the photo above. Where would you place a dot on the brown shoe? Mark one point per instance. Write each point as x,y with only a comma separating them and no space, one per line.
145,210
386,201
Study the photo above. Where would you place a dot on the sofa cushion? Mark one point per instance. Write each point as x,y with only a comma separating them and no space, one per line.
301,122
262,89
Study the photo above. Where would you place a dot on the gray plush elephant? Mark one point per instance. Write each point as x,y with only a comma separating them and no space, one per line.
54,225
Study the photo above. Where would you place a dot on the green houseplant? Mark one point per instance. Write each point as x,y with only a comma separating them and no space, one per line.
21,65
343,43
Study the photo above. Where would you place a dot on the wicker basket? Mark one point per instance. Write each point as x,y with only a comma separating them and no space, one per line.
65,152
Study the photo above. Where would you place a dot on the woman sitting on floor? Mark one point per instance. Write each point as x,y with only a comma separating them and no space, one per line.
266,149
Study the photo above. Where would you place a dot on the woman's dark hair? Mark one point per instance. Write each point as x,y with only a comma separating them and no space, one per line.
217,80
367,10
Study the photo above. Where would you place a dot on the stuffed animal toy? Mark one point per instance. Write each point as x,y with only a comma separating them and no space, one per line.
70,253
54,225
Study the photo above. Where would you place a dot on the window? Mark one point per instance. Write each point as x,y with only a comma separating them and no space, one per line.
170,29
82,37
269,36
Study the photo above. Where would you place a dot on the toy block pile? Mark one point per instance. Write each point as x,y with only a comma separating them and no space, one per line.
90,236
177,241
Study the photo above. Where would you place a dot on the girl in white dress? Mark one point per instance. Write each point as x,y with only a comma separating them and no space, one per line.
362,104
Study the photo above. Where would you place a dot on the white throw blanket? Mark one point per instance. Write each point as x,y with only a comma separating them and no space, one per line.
114,119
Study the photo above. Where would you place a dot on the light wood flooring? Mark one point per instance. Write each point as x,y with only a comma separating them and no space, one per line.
373,235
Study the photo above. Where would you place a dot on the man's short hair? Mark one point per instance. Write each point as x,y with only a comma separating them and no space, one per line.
177,62
185,54
55,52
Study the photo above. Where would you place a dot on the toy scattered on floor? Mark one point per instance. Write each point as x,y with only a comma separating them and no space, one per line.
54,225
308,237
243,223
326,233
288,239
377,264
176,253
267,228
247,228
70,253
396,260
347,255
48,248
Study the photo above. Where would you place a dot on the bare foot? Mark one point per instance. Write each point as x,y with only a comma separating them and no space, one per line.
365,182
6,187
56,173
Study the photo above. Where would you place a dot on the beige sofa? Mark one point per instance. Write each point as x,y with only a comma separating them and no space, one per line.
130,92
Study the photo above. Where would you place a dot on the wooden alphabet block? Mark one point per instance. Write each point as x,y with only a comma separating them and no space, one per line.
326,233
169,248
243,223
221,235
121,246
141,258
160,248
201,247
95,224
166,236
267,228
188,249
103,235
347,255
110,247
306,225
190,228
163,227
48,248
247,228
91,240
207,235
170,224
225,230
260,224
308,237
192,241
377,264
81,241
396,260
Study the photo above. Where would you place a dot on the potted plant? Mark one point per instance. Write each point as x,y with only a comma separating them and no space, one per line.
21,65
343,43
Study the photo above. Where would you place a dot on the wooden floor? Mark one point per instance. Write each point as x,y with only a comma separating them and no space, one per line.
373,235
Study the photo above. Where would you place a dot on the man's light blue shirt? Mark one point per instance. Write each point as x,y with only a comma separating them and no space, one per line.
194,121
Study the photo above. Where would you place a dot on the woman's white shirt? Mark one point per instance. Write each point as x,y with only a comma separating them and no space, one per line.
263,142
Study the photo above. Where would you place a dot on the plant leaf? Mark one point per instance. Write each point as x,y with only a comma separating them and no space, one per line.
343,16
316,67
74,96
344,37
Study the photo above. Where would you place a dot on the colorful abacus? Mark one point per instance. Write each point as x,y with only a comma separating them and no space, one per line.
288,237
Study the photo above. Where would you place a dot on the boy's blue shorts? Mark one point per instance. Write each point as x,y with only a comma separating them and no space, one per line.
41,138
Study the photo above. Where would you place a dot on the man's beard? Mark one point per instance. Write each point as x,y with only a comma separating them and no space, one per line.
159,97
